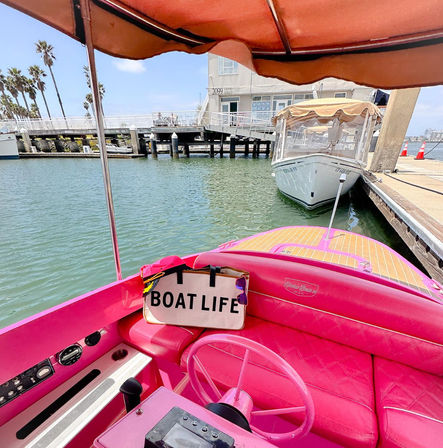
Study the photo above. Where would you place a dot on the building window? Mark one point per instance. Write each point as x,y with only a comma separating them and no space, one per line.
302,97
227,67
279,102
340,95
261,107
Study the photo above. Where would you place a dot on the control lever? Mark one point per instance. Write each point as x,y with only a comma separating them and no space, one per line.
131,390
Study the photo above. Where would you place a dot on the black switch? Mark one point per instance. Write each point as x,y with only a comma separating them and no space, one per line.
131,390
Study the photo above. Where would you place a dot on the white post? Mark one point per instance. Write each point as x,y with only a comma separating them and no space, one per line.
340,187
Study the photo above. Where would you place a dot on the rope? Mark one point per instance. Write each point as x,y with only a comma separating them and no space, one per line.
426,153
414,185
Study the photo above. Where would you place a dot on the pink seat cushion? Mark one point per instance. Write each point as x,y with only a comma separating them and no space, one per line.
163,341
409,406
338,377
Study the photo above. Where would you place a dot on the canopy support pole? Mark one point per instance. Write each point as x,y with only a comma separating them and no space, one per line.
100,131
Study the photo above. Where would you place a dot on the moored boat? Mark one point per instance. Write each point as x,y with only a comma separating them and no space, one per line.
8,146
319,140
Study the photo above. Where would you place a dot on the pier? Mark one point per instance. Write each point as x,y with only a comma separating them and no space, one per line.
411,199
188,132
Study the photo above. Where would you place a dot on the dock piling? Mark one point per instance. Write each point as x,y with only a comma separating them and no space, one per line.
232,143
153,143
174,145
268,149
221,146
135,144
26,139
247,148
186,149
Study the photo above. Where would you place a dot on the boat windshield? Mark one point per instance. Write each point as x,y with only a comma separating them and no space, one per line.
350,139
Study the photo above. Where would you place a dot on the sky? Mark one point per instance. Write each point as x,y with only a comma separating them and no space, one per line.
170,82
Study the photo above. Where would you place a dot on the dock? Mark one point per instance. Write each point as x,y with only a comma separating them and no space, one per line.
411,200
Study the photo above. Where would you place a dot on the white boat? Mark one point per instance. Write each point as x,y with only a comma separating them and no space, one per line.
8,146
319,140
114,149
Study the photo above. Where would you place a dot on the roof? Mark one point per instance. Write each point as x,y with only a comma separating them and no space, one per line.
377,43
326,108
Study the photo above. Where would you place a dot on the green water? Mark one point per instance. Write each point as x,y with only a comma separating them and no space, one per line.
54,234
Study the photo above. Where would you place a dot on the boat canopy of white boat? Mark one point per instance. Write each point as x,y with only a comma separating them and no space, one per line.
335,126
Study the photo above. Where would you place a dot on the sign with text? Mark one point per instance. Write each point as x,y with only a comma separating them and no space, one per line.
189,299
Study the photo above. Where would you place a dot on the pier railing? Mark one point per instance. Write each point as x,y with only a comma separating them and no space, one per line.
254,120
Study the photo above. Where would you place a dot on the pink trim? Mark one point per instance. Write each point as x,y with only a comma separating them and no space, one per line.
45,334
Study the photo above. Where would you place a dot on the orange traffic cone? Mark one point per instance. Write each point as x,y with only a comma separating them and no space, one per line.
404,153
421,152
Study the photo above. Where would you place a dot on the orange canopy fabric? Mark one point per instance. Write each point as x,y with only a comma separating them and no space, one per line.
326,108
378,43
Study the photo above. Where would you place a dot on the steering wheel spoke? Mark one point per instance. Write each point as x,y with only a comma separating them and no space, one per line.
238,397
280,411
208,378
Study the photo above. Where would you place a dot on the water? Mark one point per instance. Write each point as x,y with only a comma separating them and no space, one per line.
434,149
54,239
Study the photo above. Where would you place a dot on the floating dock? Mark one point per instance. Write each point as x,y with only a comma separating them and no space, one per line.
411,200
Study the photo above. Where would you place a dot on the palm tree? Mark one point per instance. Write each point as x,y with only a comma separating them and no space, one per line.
7,107
101,88
10,86
47,52
19,82
37,74
32,92
5,98
86,106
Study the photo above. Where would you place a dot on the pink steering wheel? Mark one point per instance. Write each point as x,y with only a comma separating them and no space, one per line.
234,396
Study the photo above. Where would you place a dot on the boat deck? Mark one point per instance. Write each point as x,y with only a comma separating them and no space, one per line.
341,248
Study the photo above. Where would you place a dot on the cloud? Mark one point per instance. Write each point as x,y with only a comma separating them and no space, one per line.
127,65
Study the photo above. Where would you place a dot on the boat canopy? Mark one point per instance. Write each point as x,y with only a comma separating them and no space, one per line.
326,109
378,43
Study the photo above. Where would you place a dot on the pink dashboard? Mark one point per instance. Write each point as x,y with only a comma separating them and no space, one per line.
205,430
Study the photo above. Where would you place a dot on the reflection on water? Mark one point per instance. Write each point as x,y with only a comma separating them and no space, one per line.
54,239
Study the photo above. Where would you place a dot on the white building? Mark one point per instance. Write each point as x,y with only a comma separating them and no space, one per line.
233,88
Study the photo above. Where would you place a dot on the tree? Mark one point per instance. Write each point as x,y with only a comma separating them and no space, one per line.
5,101
86,106
19,82
32,92
37,74
12,90
47,52
101,88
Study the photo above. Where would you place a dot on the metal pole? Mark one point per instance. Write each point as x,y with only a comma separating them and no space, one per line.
340,187
100,132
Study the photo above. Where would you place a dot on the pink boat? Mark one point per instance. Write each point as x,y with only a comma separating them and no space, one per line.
342,342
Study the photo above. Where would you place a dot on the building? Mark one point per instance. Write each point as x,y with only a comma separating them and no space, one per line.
232,88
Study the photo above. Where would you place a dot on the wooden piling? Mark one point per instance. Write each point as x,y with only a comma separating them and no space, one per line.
186,149
268,149
153,143
246,148
211,150
221,147
232,143
174,145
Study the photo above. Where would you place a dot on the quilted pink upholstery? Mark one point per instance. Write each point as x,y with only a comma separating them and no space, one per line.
409,406
163,341
338,377
368,316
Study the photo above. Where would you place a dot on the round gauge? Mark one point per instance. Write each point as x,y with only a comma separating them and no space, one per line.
70,355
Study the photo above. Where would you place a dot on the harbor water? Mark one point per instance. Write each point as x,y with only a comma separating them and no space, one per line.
55,241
